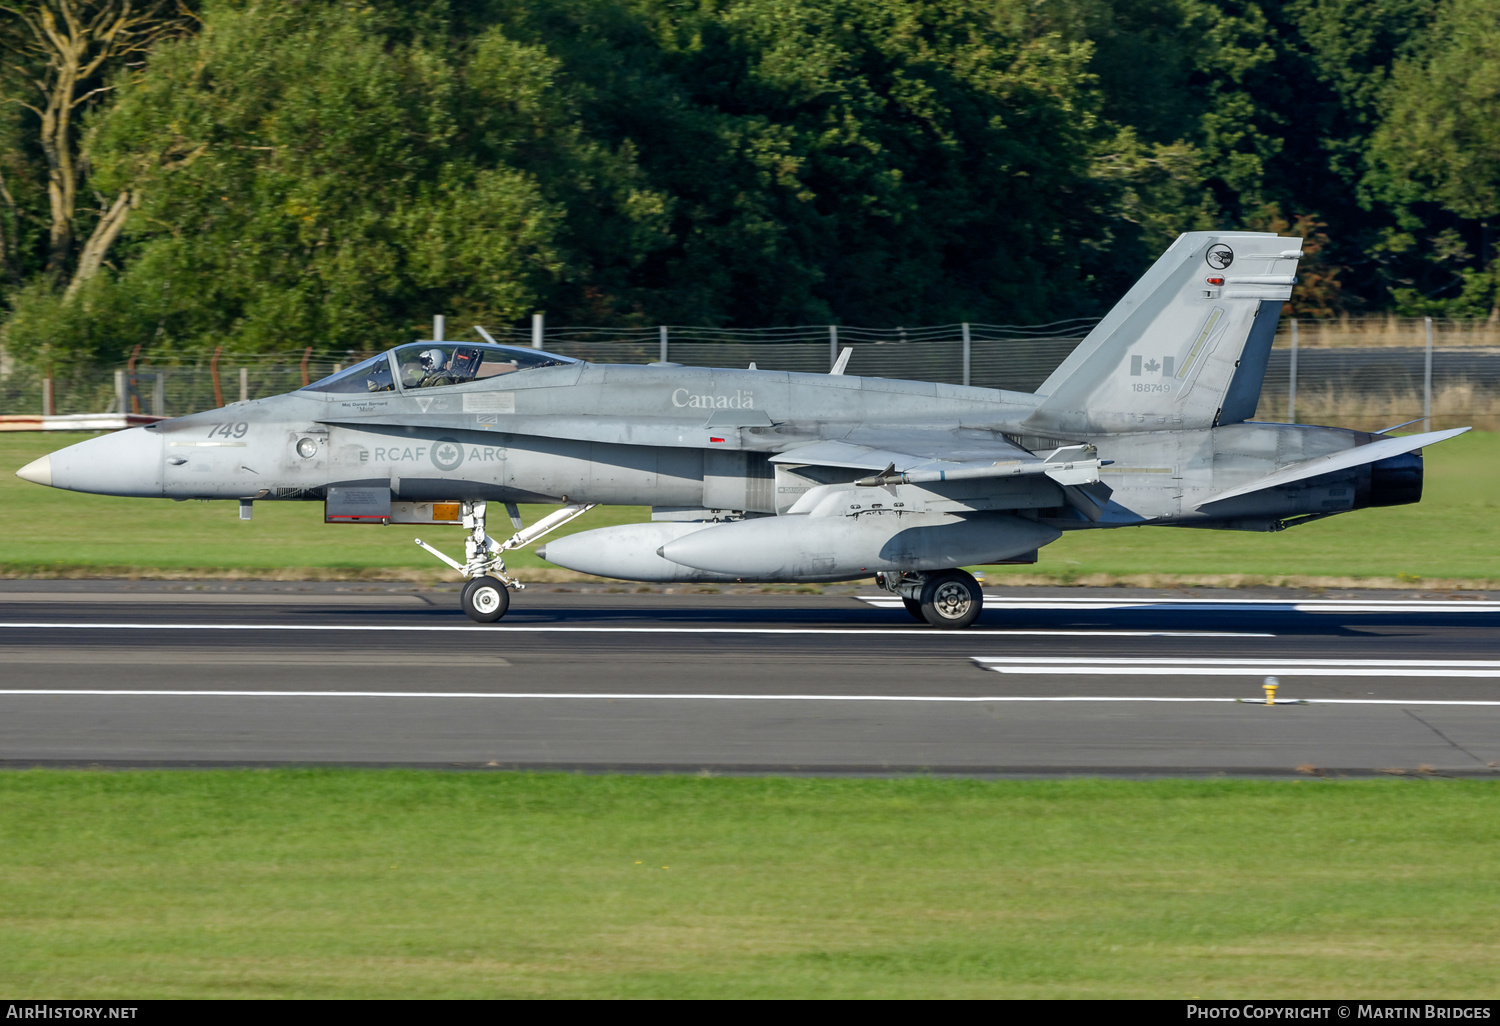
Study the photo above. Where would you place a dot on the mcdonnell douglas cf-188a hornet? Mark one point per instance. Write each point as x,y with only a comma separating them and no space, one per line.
771,476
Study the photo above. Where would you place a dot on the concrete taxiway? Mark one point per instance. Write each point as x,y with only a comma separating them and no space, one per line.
1050,682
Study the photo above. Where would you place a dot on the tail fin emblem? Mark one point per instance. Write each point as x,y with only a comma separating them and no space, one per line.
1219,256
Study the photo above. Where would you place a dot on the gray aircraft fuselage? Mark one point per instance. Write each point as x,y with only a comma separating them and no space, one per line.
625,435
770,475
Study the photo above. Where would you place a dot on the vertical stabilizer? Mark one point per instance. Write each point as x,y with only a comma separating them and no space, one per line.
1186,347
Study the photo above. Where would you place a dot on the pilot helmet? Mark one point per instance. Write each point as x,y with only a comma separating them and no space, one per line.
431,359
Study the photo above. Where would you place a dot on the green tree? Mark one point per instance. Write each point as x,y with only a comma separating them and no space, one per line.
63,54
1188,139
841,160
302,180
334,171
1439,143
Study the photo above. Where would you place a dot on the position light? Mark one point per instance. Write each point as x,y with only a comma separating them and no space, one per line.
1214,281
307,448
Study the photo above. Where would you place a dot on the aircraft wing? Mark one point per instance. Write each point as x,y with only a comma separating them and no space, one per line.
906,451
938,459
1359,455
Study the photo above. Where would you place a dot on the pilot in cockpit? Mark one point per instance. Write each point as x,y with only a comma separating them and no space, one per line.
434,369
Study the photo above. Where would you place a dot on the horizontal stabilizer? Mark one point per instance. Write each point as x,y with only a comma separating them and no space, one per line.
1358,456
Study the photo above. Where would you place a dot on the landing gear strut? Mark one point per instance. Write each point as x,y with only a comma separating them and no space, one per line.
950,599
487,595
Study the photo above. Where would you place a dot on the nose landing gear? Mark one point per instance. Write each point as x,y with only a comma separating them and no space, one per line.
487,595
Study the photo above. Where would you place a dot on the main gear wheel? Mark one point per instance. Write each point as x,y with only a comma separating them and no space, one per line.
951,599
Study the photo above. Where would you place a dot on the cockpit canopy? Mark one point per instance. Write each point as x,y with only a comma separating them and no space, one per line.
429,364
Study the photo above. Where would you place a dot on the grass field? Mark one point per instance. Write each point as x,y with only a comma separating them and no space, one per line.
360,883
1453,534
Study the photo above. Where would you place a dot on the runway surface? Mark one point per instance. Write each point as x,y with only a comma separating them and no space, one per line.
1061,681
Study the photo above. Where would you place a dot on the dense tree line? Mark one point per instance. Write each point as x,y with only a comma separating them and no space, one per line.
265,175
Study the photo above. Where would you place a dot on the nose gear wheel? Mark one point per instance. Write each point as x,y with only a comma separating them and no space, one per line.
464,592
487,595
486,599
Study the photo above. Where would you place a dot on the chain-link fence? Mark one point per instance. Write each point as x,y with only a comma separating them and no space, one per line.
992,355
1377,372
163,390
1368,373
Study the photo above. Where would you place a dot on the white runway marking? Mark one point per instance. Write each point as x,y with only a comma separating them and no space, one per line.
1276,667
225,659
240,598
922,632
1219,605
616,696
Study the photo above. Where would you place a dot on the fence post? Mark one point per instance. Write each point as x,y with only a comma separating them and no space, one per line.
537,327
135,392
244,384
439,327
121,393
307,353
49,408
1291,388
833,346
159,394
663,343
1427,380
966,353
213,372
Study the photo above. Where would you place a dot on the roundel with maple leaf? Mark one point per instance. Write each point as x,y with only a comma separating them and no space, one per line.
447,454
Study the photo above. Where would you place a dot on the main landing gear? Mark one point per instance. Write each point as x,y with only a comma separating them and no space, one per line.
949,599
487,595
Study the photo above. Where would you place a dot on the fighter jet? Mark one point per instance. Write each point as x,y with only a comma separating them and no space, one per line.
764,476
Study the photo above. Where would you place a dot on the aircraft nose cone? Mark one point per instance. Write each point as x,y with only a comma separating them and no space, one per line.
37,471
124,463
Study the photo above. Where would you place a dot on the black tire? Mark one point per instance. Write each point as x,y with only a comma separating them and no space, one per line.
951,599
486,599
914,607
464,594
